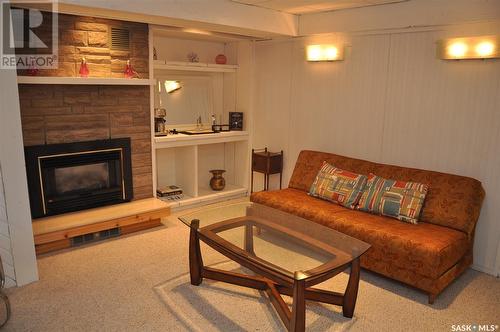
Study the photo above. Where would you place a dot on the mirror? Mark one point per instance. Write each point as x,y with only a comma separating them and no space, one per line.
185,98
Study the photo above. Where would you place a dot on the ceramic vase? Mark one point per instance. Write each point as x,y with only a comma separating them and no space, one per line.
217,182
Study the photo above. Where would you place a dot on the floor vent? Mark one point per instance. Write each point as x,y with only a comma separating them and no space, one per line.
97,236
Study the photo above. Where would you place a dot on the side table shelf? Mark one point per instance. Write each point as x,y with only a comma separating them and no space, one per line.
267,163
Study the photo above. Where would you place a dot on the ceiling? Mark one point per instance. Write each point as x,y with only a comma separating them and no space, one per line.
313,6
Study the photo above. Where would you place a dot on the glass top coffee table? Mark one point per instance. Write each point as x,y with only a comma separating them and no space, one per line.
287,253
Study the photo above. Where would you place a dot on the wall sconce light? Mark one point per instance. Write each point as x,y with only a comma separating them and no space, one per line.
484,47
171,86
316,53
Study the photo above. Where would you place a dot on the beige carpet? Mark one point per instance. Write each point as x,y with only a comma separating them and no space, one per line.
140,283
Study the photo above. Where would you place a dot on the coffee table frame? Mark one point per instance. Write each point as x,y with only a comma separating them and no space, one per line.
271,278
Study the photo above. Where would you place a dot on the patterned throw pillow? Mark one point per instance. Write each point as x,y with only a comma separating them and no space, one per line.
398,199
338,186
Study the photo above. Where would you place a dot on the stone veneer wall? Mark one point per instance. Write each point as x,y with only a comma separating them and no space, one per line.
53,114
81,36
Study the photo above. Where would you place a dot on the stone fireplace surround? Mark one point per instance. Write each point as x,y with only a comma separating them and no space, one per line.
78,176
52,114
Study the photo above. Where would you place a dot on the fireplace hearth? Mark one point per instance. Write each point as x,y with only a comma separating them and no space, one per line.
77,176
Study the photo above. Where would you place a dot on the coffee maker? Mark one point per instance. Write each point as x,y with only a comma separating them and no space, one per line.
160,121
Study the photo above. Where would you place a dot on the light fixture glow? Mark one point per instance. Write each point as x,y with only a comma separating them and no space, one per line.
323,53
480,47
314,53
171,86
485,48
331,53
457,49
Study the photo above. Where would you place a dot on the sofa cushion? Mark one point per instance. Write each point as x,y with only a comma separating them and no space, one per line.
402,200
452,200
338,186
427,249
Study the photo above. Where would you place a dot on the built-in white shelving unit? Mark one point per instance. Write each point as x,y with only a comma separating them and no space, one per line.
83,81
185,160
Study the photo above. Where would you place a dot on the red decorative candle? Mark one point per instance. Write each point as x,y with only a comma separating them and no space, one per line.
32,70
129,71
84,69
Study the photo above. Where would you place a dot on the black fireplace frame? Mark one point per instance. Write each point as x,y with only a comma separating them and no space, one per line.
34,155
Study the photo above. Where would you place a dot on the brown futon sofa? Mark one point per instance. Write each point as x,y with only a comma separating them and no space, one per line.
428,255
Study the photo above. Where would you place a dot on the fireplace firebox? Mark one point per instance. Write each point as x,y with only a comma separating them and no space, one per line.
76,176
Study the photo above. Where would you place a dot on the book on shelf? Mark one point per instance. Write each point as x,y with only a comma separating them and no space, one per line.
172,198
169,191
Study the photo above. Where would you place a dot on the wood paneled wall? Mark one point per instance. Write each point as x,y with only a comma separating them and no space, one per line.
5,245
392,101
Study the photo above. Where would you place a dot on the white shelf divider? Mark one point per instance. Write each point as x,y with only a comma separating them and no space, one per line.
83,81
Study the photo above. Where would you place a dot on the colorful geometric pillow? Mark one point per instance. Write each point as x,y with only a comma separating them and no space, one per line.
398,199
338,186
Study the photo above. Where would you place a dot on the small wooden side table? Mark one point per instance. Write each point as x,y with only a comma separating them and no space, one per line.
267,163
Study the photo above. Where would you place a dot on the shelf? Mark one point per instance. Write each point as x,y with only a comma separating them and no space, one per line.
71,220
206,195
195,66
174,202
230,189
83,81
185,140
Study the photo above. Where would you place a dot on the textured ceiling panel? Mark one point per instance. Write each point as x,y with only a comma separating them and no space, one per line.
313,6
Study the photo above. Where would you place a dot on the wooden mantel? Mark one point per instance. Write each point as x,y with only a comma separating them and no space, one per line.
83,81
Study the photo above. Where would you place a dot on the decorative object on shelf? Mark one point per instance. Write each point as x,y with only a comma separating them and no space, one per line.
129,71
160,121
220,59
317,53
235,120
267,163
169,191
155,55
172,198
482,47
32,70
84,69
199,123
193,57
217,182
217,128
220,128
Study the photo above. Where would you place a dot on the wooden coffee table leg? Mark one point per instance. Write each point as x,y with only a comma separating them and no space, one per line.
249,239
195,260
298,321
351,292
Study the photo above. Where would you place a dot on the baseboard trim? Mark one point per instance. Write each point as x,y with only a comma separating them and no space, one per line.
485,269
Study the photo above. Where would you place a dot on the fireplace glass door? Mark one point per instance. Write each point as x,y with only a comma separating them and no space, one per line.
74,181
77,176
